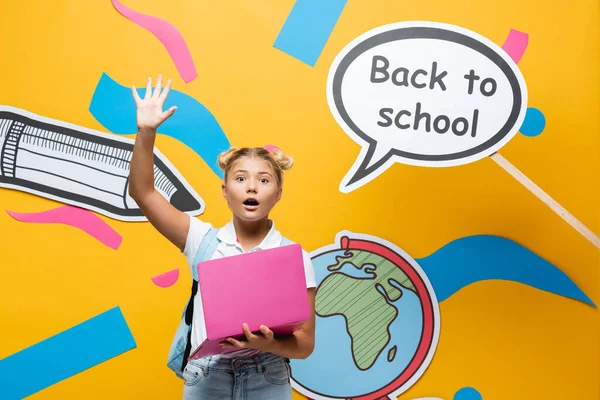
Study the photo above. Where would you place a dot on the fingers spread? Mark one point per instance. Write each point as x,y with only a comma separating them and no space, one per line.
158,86
135,94
148,88
166,90
168,113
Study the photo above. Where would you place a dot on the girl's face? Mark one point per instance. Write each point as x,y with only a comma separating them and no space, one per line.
251,189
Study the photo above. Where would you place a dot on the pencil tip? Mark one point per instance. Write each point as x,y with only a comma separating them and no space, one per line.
184,201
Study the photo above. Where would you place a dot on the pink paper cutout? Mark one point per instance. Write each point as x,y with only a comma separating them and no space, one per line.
516,44
166,279
168,35
79,218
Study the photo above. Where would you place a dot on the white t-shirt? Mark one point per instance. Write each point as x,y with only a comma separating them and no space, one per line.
229,246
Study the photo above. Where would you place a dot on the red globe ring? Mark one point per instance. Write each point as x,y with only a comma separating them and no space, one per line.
427,307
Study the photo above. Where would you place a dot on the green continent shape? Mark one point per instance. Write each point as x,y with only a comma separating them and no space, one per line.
367,311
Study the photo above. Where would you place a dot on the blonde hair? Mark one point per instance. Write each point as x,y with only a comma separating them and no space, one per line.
278,159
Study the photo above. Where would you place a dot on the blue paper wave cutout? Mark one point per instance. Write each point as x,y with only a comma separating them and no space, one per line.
482,257
192,124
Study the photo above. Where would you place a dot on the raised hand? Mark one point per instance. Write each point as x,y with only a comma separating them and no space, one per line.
150,112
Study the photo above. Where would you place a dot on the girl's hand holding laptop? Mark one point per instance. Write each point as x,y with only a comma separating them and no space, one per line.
264,341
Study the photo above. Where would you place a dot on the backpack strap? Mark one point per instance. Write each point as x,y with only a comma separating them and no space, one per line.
208,245
285,241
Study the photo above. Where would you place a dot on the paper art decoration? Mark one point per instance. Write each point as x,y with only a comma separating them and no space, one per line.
425,94
168,35
467,393
65,354
166,279
534,123
516,44
433,95
81,167
378,320
307,28
79,218
482,257
192,124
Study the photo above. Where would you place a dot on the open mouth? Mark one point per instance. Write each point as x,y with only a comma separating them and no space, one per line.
251,202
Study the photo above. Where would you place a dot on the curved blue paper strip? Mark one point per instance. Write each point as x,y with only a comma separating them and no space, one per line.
476,258
192,124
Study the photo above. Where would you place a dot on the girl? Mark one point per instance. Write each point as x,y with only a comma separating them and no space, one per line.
256,368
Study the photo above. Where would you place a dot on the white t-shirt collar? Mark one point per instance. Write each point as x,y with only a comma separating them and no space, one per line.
228,236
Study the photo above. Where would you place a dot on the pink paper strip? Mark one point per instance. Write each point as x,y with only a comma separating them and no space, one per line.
166,279
168,35
516,44
79,218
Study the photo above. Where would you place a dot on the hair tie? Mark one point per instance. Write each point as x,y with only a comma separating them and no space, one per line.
270,148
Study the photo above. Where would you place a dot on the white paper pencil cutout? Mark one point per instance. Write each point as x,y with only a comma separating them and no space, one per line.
81,166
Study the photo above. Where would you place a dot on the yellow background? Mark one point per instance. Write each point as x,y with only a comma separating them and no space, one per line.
505,339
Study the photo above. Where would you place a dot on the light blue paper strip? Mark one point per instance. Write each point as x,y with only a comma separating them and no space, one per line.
61,356
308,27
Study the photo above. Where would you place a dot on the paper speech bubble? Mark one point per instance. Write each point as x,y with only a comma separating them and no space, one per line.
425,94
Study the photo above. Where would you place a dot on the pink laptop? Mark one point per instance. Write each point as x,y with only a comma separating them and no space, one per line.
265,287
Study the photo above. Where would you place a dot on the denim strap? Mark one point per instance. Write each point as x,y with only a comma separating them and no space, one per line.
208,245
205,251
